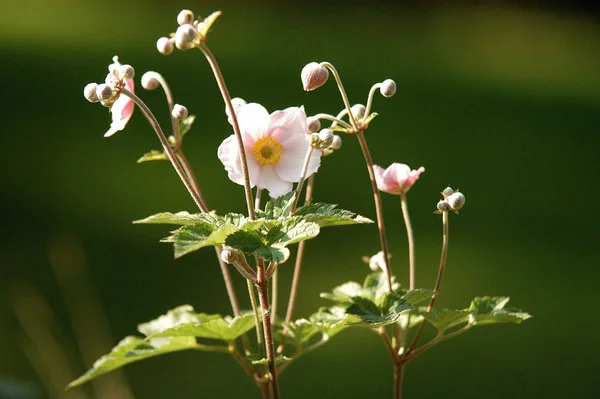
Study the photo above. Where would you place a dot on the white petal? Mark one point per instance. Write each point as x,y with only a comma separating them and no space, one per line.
288,126
253,120
229,155
269,180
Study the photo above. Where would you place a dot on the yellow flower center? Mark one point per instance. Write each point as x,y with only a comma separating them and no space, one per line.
267,150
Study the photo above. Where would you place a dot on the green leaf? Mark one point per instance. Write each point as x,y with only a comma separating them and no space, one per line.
343,293
332,320
186,124
273,253
225,329
490,310
417,296
290,231
153,155
446,318
371,315
277,207
245,241
132,349
327,215
182,218
180,315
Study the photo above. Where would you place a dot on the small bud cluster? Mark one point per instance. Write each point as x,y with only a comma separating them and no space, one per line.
324,140
453,201
107,93
191,32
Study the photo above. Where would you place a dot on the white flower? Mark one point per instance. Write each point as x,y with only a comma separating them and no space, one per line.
275,146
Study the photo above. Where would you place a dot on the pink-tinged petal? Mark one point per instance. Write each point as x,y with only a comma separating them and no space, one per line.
270,181
253,120
121,111
288,126
397,179
228,154
290,166
383,183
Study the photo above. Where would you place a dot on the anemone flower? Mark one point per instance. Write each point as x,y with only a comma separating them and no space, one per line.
397,179
122,108
275,146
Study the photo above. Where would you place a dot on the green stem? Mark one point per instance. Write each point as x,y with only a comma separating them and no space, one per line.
300,184
411,241
257,325
398,374
342,92
236,127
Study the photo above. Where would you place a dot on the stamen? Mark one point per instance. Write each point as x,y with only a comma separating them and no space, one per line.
267,150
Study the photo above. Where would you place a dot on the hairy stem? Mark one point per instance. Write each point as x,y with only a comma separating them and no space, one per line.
257,325
438,281
411,242
236,127
398,373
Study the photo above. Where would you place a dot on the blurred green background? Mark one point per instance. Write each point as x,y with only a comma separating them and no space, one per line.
501,102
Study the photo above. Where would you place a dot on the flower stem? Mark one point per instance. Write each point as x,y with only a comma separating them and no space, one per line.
300,184
411,242
236,127
167,148
274,284
378,207
257,199
438,281
342,92
335,120
257,325
398,373
263,295
370,99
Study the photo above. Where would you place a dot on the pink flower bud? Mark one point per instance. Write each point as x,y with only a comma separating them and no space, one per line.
314,76
397,179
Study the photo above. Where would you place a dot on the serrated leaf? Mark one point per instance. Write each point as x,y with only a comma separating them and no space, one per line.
332,320
446,318
277,207
490,310
343,293
180,315
290,231
132,349
273,253
182,218
373,316
186,124
326,215
245,241
301,331
225,329
153,155
417,296
376,286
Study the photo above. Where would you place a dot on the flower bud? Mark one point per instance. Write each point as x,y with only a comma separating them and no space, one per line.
104,92
126,72
388,88
326,138
184,36
358,110
185,17
179,112
314,139
164,46
313,124
149,80
89,92
237,102
447,192
229,255
443,206
313,76
456,201
336,144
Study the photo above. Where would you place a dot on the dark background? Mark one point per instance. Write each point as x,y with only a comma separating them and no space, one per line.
501,100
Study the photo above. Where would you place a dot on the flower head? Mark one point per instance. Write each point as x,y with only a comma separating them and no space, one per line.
397,179
275,146
121,107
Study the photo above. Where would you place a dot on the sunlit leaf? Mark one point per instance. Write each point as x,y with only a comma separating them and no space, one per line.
327,215
153,155
225,329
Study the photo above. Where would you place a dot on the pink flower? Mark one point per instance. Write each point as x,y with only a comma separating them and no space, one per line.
122,108
275,147
397,178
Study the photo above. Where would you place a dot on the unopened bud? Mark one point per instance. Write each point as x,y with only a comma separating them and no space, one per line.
314,139
184,36
89,92
185,17
326,137
388,88
313,124
314,76
443,206
447,192
126,72
456,201
164,46
229,255
149,81
358,110
237,102
104,92
179,112
336,144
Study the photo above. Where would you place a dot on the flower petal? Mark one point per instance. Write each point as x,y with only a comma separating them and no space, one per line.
228,154
288,126
253,120
121,111
269,180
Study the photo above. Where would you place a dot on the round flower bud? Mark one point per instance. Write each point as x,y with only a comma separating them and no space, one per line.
314,139
447,192
237,102
164,46
179,112
112,80
104,92
313,124
229,255
358,110
326,137
89,92
185,17
149,81
313,76
443,206
184,36
388,88
126,72
456,201
336,144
